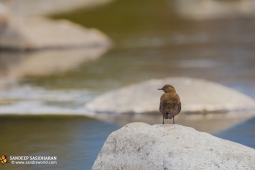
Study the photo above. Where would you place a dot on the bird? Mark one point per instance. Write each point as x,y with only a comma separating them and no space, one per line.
170,104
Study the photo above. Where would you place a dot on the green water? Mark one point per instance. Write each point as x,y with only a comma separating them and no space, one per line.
75,141
125,23
152,41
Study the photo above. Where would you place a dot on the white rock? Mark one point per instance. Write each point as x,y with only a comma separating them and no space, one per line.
161,147
42,33
46,7
4,15
196,96
211,9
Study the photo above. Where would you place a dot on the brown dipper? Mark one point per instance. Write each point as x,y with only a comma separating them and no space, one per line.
170,104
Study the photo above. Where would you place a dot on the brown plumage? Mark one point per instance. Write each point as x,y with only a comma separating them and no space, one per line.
170,104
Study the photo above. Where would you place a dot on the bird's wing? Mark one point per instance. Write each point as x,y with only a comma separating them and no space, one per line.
161,103
180,108
179,104
177,96
160,108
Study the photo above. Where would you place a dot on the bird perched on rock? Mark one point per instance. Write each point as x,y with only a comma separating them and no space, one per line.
170,104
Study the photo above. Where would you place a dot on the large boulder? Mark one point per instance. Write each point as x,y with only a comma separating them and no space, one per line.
4,15
212,9
196,96
176,147
46,7
41,33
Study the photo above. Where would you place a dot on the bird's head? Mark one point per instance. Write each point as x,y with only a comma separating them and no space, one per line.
168,88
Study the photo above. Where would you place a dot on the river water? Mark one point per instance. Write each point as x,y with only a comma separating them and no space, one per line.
150,41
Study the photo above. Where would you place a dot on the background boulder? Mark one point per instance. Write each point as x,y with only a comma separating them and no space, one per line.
46,7
214,9
196,95
41,33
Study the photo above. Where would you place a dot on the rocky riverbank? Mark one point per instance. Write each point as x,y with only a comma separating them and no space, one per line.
141,146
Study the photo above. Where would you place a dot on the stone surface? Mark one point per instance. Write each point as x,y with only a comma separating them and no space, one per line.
175,147
196,96
4,15
42,33
211,9
46,7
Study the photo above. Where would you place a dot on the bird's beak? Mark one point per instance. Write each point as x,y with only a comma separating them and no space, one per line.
160,89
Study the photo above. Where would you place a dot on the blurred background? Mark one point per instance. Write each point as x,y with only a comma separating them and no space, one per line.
50,68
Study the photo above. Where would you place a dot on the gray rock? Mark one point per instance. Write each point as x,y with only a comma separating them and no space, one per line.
4,15
175,147
196,96
46,7
211,9
42,33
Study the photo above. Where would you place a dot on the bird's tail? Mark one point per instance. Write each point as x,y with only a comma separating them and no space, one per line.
166,116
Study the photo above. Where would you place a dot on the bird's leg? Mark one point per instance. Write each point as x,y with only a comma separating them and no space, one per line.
173,119
163,119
